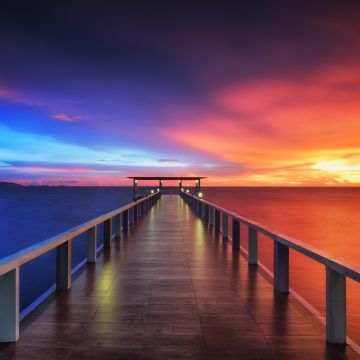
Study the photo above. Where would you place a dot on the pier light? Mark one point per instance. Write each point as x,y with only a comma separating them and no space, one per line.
182,189
157,189
200,195
187,190
136,181
197,181
152,191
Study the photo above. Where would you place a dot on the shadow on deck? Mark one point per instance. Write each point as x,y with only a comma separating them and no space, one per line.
170,289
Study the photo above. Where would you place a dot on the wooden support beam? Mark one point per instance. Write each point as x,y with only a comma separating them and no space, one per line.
91,235
335,307
281,267
131,215
117,221
211,215
9,306
125,220
217,220
252,246
135,213
225,226
235,234
107,233
63,266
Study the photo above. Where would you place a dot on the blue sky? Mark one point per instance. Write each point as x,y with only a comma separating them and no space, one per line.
246,93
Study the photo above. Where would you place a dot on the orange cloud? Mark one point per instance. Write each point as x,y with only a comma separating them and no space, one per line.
279,130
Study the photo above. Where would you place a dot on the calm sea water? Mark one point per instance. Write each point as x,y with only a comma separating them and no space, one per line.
325,217
32,214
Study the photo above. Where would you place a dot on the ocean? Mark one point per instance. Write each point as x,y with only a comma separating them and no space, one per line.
324,217
327,218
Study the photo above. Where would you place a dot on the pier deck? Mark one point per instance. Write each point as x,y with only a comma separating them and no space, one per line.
171,289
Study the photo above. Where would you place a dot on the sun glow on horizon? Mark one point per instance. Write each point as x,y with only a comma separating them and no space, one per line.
182,100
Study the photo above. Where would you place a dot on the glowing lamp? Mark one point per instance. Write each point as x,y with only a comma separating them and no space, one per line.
152,191
187,190
182,189
158,189
200,195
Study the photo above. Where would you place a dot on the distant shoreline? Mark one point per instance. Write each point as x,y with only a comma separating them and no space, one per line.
8,184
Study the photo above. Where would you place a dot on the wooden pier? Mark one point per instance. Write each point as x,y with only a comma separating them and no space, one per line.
168,286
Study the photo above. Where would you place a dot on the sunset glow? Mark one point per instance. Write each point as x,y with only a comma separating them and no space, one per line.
232,97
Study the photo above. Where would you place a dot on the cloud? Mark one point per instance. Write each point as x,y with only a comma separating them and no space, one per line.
168,160
274,124
66,117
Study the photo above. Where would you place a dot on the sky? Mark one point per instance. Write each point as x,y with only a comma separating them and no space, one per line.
255,93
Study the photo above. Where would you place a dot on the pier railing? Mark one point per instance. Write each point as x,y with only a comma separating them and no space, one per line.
122,218
337,269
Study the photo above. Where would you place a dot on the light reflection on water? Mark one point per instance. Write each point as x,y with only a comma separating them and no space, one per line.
324,217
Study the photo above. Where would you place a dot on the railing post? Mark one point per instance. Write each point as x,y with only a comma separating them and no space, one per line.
217,220
207,213
252,246
9,306
281,267
202,210
91,244
135,213
107,233
125,220
63,266
225,226
117,220
198,208
131,215
211,215
335,307
235,234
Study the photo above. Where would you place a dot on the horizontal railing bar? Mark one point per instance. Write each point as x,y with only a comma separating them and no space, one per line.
338,264
21,257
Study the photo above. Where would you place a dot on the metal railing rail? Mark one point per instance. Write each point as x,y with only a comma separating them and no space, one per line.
337,269
9,266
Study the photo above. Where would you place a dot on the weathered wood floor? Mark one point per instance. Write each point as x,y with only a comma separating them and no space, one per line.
171,290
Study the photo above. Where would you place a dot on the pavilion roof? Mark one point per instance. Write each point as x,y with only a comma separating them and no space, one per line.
166,177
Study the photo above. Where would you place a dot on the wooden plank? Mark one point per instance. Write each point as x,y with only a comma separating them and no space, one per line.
171,292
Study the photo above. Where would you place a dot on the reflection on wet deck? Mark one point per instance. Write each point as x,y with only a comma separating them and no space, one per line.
171,289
